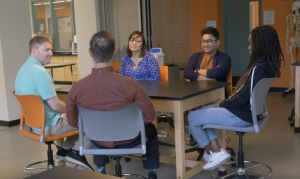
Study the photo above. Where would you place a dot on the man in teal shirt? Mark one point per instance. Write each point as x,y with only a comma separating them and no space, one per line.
33,78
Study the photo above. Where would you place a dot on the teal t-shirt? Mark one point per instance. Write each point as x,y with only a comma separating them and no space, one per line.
33,78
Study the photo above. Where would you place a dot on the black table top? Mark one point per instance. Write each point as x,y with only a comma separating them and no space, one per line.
57,65
62,172
172,90
181,65
295,64
55,54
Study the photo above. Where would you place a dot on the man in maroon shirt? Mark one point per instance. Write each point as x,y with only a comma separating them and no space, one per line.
105,90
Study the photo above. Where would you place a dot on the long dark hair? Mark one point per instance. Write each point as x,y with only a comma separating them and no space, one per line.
265,46
144,47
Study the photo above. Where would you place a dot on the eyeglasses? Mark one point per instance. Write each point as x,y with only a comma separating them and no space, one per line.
209,41
135,40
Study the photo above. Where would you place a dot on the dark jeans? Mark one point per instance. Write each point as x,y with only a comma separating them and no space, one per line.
152,151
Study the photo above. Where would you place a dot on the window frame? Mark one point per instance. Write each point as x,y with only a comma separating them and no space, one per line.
53,36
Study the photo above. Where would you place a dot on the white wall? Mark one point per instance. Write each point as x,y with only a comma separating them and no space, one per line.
86,26
3,104
15,33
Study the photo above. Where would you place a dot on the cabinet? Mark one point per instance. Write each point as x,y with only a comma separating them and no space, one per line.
171,29
64,73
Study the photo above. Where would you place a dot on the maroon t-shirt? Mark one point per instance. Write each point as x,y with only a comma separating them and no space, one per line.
105,90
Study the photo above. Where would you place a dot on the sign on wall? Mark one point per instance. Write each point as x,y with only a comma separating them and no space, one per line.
211,24
269,17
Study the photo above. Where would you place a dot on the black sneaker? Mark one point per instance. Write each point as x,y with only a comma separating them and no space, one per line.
152,176
75,158
61,153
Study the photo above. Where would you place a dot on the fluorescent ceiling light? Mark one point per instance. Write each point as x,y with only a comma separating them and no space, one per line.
37,4
46,3
59,8
58,1
68,0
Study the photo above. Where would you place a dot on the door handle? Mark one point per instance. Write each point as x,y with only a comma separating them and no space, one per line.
180,43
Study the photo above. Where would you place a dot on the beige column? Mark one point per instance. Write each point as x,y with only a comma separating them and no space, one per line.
87,23
15,33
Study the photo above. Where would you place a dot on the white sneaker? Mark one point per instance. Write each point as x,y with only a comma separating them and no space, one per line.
217,159
207,156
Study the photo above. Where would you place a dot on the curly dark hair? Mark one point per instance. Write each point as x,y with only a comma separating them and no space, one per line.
265,46
211,30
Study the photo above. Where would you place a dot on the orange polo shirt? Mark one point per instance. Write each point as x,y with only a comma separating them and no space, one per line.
207,62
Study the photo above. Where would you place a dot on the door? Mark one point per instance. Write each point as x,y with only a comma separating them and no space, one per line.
175,42
171,29
237,21
160,27
185,30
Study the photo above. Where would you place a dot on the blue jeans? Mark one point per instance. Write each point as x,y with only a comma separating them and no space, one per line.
211,115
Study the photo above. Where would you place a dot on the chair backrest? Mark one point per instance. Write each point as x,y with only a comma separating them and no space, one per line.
229,79
258,107
174,73
116,66
32,112
258,104
164,74
116,125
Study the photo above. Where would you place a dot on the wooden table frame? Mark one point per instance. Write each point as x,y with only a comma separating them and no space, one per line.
178,107
297,99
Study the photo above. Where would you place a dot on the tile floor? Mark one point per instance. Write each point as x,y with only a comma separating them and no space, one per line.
276,145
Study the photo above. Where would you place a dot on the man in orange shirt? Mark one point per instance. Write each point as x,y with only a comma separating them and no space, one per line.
210,64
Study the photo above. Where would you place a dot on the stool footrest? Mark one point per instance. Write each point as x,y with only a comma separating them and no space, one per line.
242,173
133,175
29,167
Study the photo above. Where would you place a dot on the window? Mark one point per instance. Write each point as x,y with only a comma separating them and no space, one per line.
54,19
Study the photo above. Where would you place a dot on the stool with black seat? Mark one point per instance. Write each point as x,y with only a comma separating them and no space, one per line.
168,73
260,117
172,73
33,115
110,126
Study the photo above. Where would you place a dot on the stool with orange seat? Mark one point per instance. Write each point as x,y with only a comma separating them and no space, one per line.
33,115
